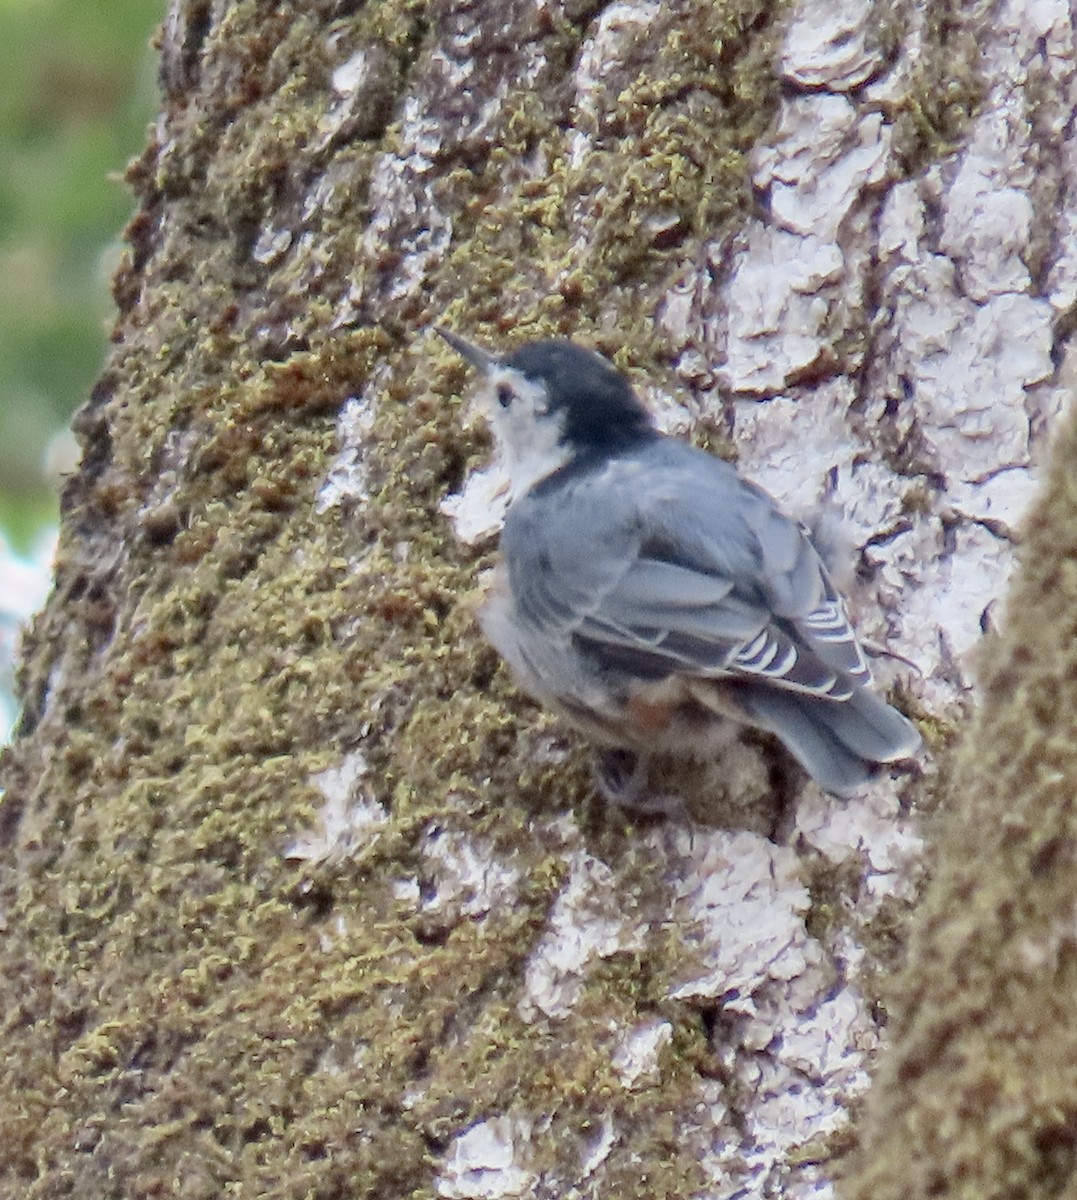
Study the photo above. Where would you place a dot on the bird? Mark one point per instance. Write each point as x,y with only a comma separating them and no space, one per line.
654,597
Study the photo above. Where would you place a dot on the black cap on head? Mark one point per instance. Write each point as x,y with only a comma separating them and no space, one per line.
601,410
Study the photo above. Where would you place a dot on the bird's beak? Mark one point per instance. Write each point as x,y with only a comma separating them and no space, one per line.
478,357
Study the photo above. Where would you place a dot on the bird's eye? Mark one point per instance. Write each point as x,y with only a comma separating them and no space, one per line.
505,395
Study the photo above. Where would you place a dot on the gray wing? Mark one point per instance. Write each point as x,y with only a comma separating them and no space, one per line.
673,564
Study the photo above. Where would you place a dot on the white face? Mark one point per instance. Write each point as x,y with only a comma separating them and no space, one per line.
528,437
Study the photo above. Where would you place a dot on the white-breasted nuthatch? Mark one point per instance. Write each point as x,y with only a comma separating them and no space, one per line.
656,598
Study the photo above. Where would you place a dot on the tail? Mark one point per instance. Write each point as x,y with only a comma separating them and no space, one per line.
838,743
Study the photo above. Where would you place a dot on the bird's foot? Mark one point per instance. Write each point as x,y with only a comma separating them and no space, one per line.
621,776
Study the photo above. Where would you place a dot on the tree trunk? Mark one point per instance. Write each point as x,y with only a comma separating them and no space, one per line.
299,896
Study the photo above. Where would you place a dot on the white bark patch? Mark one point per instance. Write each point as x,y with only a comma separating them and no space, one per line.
744,898
617,24
478,510
778,309
941,625
586,923
794,1035
349,77
968,365
638,1056
271,245
347,476
466,877
823,156
403,209
826,46
600,1150
360,86
796,1038
483,1162
870,826
349,819
970,344
783,301
159,514
791,456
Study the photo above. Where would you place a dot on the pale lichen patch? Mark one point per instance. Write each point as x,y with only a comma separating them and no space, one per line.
586,924
348,819
638,1055
796,1039
829,45
464,876
871,827
478,510
348,475
486,1162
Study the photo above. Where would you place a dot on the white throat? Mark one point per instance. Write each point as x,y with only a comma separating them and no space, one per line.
528,436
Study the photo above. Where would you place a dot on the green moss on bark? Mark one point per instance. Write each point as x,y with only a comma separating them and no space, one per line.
196,1014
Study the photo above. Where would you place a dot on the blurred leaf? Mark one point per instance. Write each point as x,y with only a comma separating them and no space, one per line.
78,93
24,516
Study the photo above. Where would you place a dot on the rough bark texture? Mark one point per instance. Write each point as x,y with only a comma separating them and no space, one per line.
981,1074
298,897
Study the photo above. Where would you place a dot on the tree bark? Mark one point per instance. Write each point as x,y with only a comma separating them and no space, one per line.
299,897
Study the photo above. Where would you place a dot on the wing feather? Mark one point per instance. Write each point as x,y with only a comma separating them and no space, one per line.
677,566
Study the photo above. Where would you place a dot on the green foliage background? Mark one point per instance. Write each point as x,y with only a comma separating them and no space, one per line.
77,88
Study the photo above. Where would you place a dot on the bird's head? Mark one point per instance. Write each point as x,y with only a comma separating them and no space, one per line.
551,401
